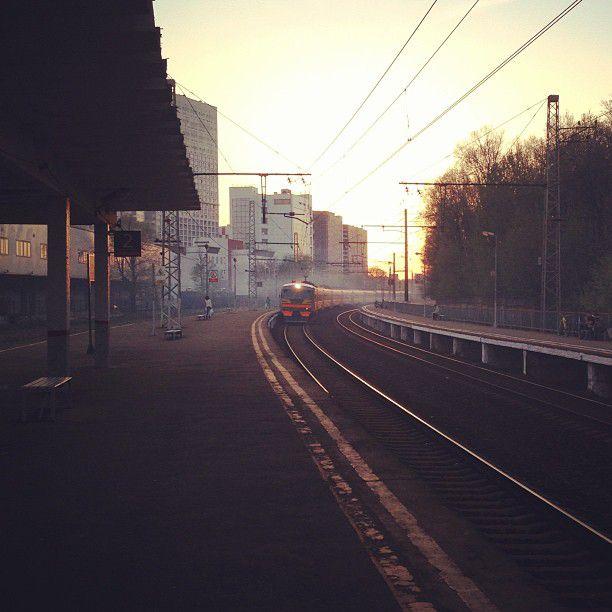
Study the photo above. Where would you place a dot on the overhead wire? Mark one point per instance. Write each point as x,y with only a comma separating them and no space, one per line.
465,95
384,74
401,93
206,128
520,134
246,131
489,131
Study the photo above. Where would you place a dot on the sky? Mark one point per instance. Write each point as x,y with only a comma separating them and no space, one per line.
293,71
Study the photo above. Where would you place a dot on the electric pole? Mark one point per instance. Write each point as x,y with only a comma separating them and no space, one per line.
393,277
551,244
406,276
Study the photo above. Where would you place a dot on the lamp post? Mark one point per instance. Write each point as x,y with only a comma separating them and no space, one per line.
420,254
494,236
90,346
234,279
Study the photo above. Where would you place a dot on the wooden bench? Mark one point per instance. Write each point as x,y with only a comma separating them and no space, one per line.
46,387
173,334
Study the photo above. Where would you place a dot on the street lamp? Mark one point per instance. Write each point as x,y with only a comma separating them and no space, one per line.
494,236
234,278
424,290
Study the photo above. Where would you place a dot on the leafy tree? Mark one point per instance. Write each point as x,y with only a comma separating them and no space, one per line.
459,261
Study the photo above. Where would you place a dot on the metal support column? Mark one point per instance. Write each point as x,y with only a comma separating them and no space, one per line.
58,289
102,293
394,277
252,257
406,256
551,244
171,271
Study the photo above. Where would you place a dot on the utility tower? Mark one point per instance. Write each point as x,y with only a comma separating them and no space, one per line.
551,244
252,258
171,271
171,263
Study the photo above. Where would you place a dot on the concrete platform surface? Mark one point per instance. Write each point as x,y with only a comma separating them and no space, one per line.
571,343
176,482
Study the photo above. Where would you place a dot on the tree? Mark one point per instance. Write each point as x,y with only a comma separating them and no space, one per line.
134,271
459,261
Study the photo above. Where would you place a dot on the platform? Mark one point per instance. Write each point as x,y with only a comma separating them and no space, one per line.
176,482
537,338
548,355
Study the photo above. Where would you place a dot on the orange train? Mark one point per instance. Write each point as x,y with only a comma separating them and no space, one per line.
301,301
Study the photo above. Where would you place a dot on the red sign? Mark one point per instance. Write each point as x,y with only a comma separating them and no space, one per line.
213,277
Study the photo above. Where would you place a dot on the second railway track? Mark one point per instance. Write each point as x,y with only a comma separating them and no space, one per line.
569,554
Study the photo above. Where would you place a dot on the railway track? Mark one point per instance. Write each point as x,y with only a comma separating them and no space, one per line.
568,554
579,411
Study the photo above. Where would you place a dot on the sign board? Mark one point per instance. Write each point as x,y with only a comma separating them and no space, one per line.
126,244
213,276
91,268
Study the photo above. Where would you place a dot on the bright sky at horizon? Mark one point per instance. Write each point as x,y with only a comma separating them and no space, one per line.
293,72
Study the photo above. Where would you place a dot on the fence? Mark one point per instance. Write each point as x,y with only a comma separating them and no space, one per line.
517,318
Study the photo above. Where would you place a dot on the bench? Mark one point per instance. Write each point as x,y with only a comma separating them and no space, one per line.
173,334
47,387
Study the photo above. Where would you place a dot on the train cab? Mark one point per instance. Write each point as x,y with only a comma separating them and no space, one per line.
298,301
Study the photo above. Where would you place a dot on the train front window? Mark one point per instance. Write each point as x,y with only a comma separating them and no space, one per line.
297,293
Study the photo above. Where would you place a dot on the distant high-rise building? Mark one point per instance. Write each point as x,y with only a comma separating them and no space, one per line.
327,236
354,249
199,129
239,210
288,229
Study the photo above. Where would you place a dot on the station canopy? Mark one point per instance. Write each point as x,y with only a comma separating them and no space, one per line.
86,112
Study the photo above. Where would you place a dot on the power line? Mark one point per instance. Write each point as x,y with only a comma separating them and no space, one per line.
465,95
525,128
205,127
490,131
401,93
375,85
245,130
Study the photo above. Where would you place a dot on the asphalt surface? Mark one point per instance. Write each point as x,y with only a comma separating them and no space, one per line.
176,482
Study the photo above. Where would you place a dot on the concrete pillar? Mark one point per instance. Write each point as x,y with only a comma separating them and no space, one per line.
102,280
58,288
404,333
503,357
487,353
441,343
457,347
394,331
524,362
421,337
599,379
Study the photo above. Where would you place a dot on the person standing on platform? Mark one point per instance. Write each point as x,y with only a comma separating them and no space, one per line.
209,306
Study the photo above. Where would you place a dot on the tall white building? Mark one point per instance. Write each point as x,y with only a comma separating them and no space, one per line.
199,129
287,236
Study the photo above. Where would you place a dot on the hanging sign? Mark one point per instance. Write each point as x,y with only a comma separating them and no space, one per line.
127,244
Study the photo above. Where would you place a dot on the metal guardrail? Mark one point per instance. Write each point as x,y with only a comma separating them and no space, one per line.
514,318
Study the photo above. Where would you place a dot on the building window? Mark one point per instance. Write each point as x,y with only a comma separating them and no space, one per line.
43,251
82,257
264,231
24,248
4,245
